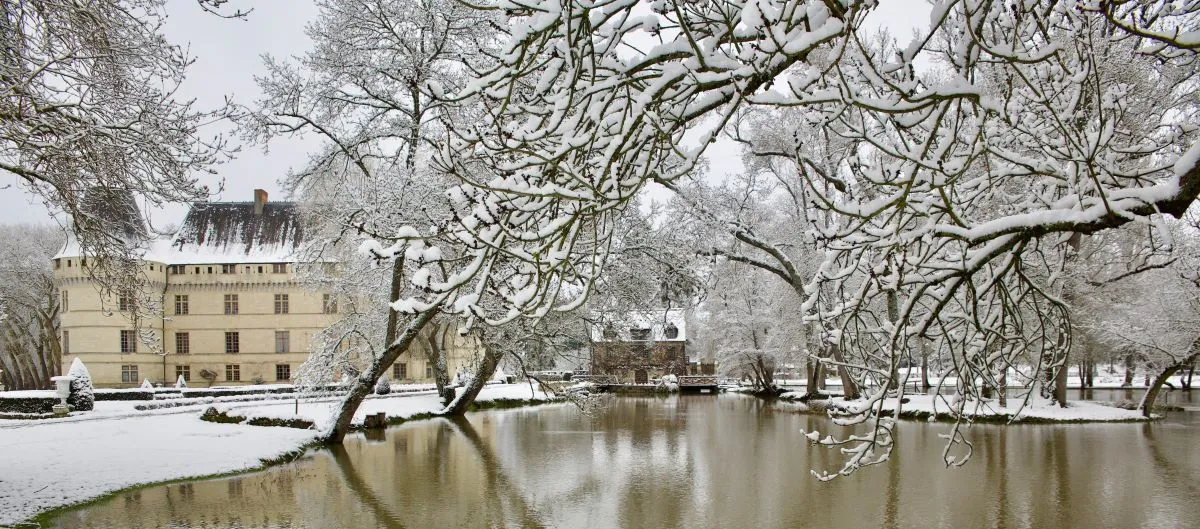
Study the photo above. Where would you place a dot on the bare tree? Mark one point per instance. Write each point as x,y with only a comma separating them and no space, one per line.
29,305
951,216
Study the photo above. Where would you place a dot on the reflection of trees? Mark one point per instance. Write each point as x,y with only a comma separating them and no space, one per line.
362,490
1170,472
503,493
504,500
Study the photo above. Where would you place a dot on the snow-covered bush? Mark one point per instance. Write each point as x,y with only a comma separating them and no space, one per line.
180,382
146,384
83,396
383,387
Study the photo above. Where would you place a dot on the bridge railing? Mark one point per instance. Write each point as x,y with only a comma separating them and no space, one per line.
697,380
596,379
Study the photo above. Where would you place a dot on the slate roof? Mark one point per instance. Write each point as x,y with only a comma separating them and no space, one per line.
231,231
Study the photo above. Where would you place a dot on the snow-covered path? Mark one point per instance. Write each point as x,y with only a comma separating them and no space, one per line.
51,463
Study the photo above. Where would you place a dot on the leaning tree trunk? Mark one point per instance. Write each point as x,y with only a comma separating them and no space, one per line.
435,355
1151,394
365,382
483,371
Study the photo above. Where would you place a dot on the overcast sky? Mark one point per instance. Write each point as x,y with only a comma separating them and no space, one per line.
228,54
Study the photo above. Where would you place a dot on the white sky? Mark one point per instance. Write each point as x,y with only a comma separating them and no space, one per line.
228,54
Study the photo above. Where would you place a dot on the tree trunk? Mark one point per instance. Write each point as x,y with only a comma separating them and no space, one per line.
1152,392
1129,367
893,315
365,382
814,376
1187,381
484,371
925,385
1004,385
1060,385
849,388
393,321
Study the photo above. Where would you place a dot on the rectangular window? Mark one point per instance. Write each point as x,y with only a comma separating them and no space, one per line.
65,304
181,304
283,341
57,264
428,371
66,342
210,269
231,303
125,302
128,342
329,304
260,269
129,374
228,269
183,343
279,268
400,371
281,303
196,270
185,372
283,372
233,372
231,342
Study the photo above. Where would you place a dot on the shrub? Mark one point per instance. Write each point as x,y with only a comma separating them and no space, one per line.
212,415
383,387
83,395
25,405
140,394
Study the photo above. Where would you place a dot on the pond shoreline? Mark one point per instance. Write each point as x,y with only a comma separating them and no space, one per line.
46,517
925,408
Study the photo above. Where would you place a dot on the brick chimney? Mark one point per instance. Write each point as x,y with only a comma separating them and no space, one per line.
260,200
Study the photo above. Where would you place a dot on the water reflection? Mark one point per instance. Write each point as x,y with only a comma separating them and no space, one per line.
691,462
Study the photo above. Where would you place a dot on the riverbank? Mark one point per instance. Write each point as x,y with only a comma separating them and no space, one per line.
53,464
939,408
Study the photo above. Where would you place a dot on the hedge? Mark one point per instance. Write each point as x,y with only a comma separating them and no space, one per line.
27,404
141,394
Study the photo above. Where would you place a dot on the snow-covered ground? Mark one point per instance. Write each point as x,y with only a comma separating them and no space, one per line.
54,462
1036,409
319,411
1103,379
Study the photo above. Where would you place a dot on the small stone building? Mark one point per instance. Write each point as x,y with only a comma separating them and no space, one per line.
638,347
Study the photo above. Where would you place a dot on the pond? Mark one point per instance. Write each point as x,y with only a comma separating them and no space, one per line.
703,461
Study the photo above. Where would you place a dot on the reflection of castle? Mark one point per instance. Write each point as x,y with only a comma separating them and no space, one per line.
640,346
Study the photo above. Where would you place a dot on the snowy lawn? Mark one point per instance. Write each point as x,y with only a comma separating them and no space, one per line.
51,463
1038,410
319,412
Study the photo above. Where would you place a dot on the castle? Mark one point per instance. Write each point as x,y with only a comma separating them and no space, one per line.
233,312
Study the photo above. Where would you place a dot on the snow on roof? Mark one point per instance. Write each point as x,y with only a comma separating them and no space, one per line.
620,326
226,232
233,232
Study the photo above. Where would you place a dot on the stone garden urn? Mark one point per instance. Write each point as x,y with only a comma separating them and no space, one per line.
62,386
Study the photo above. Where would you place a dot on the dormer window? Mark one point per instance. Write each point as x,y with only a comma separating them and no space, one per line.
671,332
610,333
639,335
